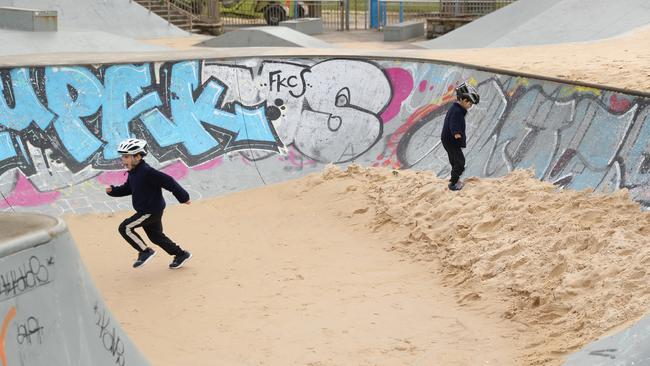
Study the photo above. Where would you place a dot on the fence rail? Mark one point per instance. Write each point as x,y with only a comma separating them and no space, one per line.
249,12
394,11
346,14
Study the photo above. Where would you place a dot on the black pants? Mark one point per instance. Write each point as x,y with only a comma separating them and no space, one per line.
152,225
457,161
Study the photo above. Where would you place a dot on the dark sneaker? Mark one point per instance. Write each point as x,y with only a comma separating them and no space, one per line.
144,257
180,259
456,187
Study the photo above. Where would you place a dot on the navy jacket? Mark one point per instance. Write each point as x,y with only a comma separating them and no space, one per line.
454,123
145,184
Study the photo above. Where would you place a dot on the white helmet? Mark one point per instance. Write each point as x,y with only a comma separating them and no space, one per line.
132,147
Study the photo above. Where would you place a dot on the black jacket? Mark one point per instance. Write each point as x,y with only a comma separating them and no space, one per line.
145,184
454,123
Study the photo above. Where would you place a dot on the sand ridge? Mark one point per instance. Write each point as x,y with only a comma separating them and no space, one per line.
568,265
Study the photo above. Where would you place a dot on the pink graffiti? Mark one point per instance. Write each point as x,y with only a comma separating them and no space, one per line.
296,159
390,158
423,86
619,105
402,83
209,164
112,178
177,170
25,194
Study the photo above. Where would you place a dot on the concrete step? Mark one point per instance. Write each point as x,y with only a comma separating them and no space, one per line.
172,14
179,19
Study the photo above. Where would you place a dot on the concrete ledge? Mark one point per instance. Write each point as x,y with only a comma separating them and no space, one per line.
28,19
305,25
269,36
403,31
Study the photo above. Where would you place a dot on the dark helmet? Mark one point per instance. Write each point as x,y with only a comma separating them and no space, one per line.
466,91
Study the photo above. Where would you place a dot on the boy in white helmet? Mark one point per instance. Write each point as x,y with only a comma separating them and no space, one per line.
145,184
453,132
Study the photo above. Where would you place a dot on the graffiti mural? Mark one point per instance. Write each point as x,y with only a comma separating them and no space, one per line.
225,125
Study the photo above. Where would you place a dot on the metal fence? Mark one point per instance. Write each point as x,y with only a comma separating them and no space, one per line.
238,13
348,14
391,11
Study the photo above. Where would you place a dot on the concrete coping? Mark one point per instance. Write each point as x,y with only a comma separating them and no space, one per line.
416,55
301,20
35,11
20,231
405,24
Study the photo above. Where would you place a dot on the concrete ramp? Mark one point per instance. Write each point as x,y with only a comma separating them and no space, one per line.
628,347
265,37
52,314
534,22
121,17
26,43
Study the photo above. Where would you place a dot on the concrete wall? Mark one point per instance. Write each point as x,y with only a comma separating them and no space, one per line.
535,22
28,19
51,312
225,125
125,18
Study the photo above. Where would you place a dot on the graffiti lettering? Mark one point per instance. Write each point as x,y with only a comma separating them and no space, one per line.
59,126
109,337
275,78
28,276
29,328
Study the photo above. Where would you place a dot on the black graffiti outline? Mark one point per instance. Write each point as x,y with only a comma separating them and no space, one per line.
25,331
604,353
256,73
110,340
28,276
47,138
560,158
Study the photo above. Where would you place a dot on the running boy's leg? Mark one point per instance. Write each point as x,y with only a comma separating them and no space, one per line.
154,230
127,231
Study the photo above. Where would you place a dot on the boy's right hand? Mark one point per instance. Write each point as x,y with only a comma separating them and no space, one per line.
109,189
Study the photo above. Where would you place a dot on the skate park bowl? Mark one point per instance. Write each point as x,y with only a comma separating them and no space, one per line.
220,125
52,314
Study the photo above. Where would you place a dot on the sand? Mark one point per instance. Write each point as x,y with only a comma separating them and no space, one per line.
374,267
283,275
619,62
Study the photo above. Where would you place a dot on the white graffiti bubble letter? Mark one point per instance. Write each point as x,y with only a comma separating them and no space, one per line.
340,119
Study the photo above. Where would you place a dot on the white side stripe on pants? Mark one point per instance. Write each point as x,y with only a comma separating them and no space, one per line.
131,226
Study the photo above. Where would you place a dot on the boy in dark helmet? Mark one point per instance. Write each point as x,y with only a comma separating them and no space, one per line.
145,184
453,132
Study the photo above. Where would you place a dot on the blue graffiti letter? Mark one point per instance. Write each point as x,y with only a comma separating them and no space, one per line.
73,92
26,109
120,81
189,112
